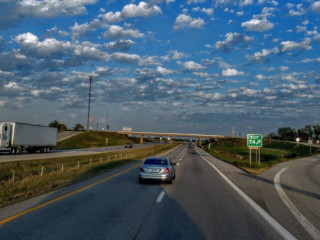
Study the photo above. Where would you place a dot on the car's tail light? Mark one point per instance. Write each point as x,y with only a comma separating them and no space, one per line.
167,170
141,169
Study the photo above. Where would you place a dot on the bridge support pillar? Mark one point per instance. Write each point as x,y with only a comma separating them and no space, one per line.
170,140
200,141
141,139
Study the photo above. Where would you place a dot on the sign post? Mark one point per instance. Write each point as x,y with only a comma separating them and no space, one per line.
254,141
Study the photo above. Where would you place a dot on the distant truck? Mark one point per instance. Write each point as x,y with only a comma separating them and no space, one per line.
17,137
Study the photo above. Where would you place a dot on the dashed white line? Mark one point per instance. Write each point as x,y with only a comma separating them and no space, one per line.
312,230
160,196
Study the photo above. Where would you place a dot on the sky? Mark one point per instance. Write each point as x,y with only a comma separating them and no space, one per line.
212,67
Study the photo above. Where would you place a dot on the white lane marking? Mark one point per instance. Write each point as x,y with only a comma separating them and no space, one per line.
160,196
272,222
312,230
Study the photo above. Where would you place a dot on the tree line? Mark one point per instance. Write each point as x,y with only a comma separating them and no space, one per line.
289,134
62,127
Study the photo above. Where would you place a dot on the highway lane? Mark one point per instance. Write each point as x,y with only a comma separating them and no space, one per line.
198,205
297,203
5,157
300,182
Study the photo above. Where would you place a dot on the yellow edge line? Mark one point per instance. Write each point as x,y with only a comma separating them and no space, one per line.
6,220
63,196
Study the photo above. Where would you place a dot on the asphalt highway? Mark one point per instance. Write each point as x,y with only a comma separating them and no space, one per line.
5,157
200,204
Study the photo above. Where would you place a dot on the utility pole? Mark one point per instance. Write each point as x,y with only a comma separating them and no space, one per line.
107,121
90,79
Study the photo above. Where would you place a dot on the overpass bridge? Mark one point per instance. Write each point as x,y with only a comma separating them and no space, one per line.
170,135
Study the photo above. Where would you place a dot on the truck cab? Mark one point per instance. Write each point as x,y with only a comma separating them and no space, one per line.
5,130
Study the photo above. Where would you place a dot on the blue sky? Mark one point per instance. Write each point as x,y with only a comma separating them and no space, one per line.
194,66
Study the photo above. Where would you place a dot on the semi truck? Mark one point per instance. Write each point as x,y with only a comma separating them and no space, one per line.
17,137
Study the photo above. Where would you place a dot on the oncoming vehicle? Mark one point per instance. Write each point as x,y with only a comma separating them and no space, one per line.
157,168
128,145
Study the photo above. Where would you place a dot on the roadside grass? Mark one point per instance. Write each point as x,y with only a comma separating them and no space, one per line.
236,152
22,180
93,139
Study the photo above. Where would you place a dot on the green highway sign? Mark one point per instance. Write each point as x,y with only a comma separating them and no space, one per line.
254,140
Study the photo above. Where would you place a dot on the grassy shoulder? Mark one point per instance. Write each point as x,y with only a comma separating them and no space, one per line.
236,152
22,180
93,139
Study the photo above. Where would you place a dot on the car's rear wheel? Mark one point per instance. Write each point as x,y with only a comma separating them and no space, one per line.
140,181
170,181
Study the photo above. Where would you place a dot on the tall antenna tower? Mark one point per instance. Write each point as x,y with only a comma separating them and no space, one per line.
107,126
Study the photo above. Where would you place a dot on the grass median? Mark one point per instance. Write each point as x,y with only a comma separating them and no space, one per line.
22,180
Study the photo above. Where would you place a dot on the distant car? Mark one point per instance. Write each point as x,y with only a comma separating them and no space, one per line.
157,168
128,145
190,145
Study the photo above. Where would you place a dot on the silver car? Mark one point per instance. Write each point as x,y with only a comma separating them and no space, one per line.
157,168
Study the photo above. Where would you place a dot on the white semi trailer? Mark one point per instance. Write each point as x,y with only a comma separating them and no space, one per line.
17,137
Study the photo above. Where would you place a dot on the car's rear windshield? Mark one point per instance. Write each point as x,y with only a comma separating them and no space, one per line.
156,161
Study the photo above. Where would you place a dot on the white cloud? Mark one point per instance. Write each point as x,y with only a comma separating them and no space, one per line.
232,39
120,45
126,58
48,46
195,1
294,86
6,74
178,55
13,86
185,21
112,17
260,77
268,91
249,92
291,45
263,54
164,71
299,9
119,32
270,98
51,8
230,72
193,66
315,7
246,2
78,30
149,61
31,43
90,51
284,68
311,60
256,25
143,9
134,59
208,11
